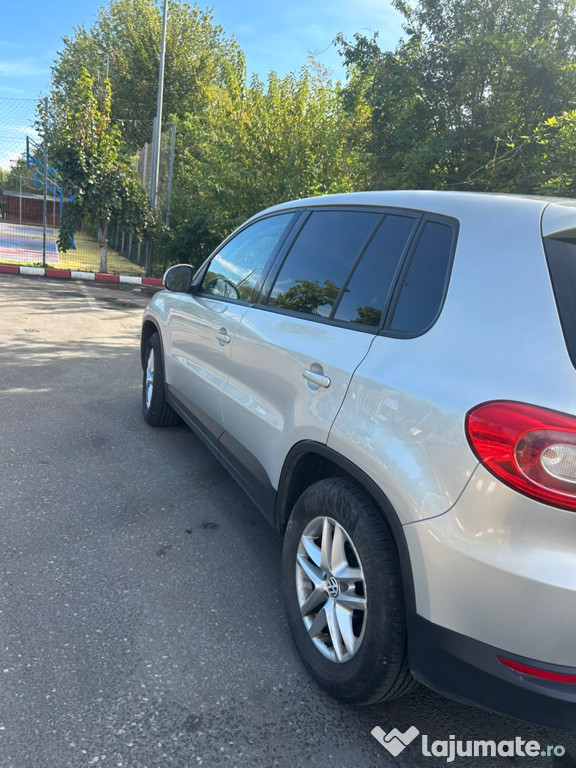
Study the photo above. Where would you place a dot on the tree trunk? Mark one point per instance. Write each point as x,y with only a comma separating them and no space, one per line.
104,247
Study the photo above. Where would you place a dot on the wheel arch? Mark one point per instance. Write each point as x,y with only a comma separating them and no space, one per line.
149,327
309,462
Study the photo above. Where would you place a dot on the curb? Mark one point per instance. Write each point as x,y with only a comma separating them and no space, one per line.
70,274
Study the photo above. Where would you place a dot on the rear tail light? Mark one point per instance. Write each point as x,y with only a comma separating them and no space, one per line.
531,449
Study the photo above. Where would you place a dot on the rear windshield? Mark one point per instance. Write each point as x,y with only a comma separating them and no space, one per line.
561,255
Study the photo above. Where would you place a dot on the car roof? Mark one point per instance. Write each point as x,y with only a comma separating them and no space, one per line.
447,203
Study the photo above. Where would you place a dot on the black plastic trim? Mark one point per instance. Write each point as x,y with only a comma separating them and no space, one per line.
249,474
144,338
469,671
205,427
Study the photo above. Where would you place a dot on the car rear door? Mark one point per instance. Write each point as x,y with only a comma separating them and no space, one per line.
293,355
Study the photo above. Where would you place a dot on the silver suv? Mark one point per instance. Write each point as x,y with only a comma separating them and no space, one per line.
390,376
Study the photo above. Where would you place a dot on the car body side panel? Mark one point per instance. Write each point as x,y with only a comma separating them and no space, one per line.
197,359
403,419
268,404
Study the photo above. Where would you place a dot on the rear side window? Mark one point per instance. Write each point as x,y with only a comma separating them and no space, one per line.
424,283
368,288
318,264
561,255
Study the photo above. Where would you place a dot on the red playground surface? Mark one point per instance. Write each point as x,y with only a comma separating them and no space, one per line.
22,242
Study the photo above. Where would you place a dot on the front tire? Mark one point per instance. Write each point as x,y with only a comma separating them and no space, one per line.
155,407
343,593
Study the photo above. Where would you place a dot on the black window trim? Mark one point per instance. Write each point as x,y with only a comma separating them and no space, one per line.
301,214
261,300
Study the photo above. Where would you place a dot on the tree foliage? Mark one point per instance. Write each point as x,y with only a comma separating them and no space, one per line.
479,94
85,147
556,161
124,44
259,144
450,105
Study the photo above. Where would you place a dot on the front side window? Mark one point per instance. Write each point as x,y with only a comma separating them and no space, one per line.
318,264
235,270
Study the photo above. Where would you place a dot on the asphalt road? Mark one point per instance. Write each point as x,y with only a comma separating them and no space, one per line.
141,621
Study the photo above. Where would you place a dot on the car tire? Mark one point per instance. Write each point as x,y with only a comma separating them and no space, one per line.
155,407
344,596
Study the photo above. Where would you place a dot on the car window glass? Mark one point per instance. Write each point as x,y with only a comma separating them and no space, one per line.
236,268
320,260
561,255
423,286
369,286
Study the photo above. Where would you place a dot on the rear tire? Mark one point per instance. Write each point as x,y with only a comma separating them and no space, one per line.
155,407
343,592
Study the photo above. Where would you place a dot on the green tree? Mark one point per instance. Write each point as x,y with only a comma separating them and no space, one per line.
459,97
555,161
86,150
124,45
258,144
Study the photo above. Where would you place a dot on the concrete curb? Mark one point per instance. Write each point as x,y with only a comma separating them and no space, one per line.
70,274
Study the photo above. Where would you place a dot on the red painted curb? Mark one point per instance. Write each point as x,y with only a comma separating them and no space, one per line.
104,277
58,273
9,269
152,281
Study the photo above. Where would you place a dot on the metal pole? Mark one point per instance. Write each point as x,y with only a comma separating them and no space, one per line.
145,167
45,201
158,124
153,180
170,173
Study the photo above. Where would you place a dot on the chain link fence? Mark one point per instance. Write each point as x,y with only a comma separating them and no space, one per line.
31,202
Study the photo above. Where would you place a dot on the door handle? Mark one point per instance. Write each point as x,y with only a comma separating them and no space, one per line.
316,378
223,337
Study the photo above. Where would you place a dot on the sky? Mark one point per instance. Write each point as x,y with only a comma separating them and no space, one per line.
273,34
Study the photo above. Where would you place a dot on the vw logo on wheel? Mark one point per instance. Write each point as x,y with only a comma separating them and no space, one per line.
332,587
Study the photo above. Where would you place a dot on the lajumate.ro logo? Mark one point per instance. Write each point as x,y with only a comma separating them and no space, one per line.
396,741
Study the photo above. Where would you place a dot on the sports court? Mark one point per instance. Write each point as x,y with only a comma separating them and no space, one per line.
23,243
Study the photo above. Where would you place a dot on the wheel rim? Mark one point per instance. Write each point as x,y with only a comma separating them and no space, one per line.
331,589
149,382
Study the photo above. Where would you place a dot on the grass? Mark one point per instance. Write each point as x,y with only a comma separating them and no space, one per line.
86,258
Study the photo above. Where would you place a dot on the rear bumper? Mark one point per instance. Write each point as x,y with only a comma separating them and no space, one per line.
470,671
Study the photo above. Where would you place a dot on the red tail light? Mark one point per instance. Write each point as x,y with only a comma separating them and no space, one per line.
531,449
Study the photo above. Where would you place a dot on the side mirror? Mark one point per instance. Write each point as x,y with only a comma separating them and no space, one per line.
179,278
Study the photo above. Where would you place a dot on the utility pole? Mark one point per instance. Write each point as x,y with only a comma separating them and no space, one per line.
170,173
157,131
45,199
158,124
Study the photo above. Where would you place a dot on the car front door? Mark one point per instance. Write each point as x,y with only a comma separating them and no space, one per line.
203,324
